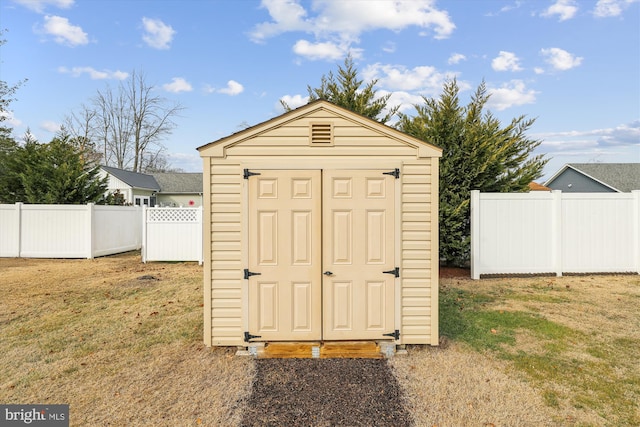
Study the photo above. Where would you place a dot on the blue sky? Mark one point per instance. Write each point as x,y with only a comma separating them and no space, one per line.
573,65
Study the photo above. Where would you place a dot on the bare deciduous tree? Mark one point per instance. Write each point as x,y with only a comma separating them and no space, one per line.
127,124
80,127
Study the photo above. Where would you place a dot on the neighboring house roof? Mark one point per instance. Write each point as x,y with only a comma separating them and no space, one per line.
133,179
534,186
176,183
620,177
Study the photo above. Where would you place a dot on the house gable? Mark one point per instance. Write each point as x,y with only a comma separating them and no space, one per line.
291,134
596,177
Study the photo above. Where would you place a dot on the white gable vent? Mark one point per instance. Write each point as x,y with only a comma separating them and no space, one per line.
321,134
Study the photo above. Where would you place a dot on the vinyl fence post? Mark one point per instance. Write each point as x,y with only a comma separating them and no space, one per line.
636,228
144,234
19,225
556,230
139,220
475,234
200,238
91,227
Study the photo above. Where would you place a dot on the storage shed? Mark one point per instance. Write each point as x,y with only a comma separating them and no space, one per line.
320,225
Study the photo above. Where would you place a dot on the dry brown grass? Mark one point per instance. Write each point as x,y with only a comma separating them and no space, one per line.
128,351
120,350
531,351
456,387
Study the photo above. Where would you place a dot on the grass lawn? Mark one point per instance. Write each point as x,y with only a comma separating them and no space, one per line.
121,342
575,339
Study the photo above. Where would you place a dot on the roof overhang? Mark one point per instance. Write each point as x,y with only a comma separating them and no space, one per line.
217,148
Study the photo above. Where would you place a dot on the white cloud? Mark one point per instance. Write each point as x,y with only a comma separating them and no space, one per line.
424,79
158,35
538,70
177,85
345,20
233,88
619,144
287,15
560,59
63,32
509,95
293,101
93,73
565,9
10,119
568,145
347,17
625,134
605,141
50,126
389,47
456,58
506,61
517,4
315,51
40,5
405,100
609,8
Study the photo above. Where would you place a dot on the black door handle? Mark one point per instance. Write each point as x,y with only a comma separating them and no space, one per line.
328,273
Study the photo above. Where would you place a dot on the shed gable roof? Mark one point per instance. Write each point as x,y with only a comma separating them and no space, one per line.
621,177
217,148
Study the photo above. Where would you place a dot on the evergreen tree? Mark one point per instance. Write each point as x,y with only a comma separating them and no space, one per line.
10,186
346,90
53,173
9,181
478,154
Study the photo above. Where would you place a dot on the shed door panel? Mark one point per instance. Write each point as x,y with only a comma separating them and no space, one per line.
358,224
284,247
303,223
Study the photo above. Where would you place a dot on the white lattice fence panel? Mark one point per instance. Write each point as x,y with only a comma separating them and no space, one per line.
172,215
172,234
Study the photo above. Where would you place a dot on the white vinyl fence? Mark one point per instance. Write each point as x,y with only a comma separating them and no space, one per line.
172,234
68,231
554,232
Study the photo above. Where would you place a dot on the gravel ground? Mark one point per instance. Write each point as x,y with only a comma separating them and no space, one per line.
325,392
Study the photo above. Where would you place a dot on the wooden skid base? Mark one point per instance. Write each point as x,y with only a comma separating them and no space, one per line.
326,350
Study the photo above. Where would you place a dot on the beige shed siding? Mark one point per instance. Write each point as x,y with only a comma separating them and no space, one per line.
226,253
416,253
283,143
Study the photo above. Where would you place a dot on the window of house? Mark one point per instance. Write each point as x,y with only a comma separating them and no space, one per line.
141,201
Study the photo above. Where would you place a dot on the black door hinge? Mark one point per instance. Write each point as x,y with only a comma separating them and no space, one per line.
248,273
248,173
395,173
248,337
395,272
395,335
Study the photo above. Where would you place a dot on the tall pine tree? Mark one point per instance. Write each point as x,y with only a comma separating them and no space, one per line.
53,173
346,90
478,154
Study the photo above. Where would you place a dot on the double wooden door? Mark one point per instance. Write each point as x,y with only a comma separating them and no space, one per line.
321,254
